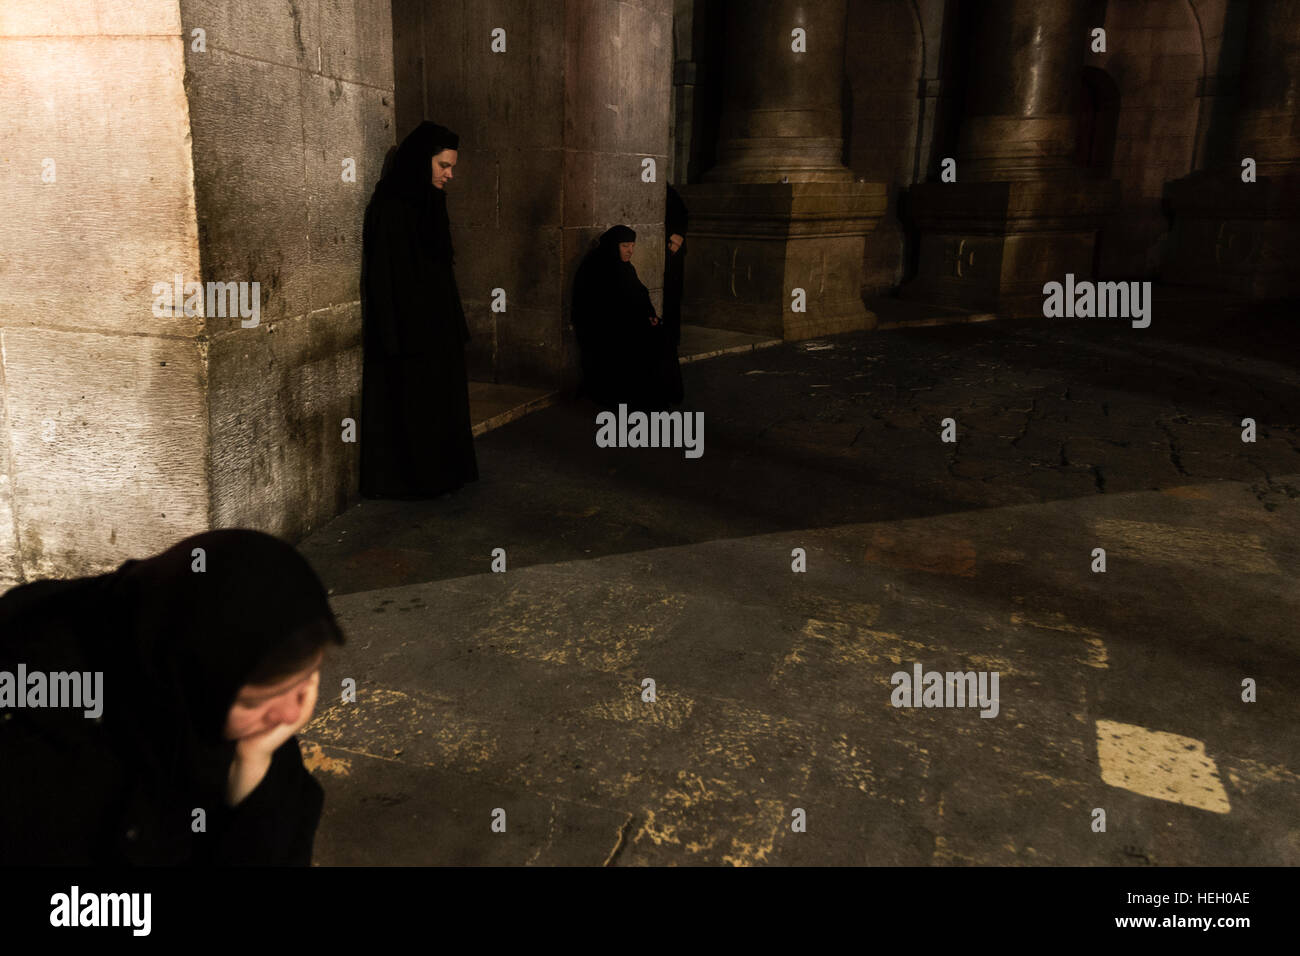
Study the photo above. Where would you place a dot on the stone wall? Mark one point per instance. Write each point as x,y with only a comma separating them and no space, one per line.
103,437
553,132
120,431
283,95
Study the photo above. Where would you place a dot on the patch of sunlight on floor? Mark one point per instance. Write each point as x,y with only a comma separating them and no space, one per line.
1160,765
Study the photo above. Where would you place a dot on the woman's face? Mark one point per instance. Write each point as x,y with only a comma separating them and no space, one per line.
625,250
259,707
442,166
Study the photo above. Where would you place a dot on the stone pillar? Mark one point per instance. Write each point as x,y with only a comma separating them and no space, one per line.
1019,120
1021,212
1268,124
213,142
681,126
782,110
1236,236
780,211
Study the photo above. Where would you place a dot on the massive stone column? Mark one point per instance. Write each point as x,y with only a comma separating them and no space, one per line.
1021,211
681,128
1236,236
1268,124
215,142
1021,96
780,211
782,113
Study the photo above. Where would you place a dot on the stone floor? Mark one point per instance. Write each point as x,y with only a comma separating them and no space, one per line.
518,695
492,405
699,343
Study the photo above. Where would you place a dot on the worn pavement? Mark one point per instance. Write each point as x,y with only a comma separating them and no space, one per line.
1120,690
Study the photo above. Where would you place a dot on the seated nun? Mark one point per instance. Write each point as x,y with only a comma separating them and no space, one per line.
623,346
158,696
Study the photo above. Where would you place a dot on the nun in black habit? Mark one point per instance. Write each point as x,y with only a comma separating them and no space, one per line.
416,436
206,677
622,343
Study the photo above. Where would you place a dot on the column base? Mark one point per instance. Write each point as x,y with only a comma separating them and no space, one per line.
1234,237
990,247
751,245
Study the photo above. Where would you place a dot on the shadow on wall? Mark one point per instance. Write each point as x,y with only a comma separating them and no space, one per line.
1098,123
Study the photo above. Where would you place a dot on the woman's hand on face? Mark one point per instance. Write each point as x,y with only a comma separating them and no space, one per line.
260,746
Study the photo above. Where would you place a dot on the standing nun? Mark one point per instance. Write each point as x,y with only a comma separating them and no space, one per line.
206,677
416,436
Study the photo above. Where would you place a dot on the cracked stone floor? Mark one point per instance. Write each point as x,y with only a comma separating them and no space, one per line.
521,691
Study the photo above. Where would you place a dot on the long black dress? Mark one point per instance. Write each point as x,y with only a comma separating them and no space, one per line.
621,351
174,647
416,435
676,220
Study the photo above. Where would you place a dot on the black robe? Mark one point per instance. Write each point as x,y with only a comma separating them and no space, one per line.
174,646
416,434
623,354
676,221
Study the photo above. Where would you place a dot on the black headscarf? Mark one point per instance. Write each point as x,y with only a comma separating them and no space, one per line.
612,236
625,285
605,285
175,646
200,635
408,179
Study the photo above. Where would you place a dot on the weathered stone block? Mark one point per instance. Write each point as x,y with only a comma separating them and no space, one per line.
85,249
355,40
1235,236
991,246
252,30
77,18
249,179
108,438
753,244
277,399
350,122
